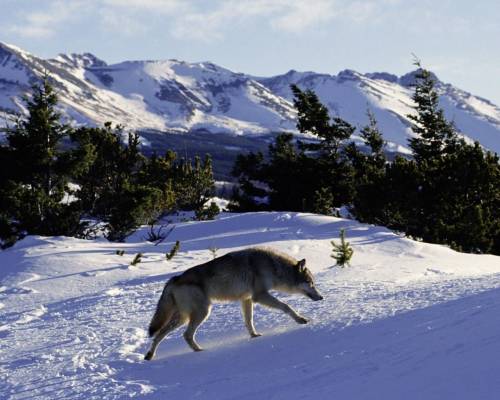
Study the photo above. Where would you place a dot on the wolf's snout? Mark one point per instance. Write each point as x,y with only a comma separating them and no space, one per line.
315,296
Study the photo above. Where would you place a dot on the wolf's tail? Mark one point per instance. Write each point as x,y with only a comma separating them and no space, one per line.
164,310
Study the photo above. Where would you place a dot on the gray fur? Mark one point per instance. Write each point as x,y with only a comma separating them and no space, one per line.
246,276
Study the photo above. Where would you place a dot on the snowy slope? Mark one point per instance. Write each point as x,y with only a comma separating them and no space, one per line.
407,320
168,95
179,97
349,94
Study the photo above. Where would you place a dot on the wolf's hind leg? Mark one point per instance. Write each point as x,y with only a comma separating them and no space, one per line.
173,324
247,310
268,300
195,320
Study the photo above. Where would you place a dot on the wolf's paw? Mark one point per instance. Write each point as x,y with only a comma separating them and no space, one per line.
254,335
198,349
301,320
149,356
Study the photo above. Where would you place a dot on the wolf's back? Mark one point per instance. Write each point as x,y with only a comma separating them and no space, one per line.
163,309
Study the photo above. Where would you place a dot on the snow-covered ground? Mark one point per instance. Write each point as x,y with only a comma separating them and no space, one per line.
407,320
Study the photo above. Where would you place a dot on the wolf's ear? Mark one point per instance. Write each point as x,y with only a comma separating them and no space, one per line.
301,265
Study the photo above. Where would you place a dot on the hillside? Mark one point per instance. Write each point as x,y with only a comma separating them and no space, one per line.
179,97
407,320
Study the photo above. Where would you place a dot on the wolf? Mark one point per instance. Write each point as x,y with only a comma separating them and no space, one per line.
246,276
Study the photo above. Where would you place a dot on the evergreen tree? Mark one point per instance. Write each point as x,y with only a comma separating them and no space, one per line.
296,173
137,259
313,117
448,193
468,200
120,186
435,136
328,165
9,228
207,213
193,184
342,252
39,169
248,169
173,251
369,167
323,202
158,172
283,175
375,143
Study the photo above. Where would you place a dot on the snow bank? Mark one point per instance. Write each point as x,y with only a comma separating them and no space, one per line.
407,319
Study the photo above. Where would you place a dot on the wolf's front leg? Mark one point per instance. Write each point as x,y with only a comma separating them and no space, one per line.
266,299
247,309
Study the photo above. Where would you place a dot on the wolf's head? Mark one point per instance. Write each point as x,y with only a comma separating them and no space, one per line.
305,281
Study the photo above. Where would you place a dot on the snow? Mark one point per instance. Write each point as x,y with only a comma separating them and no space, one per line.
176,96
350,94
407,319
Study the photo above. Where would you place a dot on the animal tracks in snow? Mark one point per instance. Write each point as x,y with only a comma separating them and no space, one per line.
74,321
114,292
32,315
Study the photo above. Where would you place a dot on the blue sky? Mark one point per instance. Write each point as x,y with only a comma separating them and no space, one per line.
459,40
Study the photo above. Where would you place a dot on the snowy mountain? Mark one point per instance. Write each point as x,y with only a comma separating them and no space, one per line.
178,97
349,94
407,320
171,96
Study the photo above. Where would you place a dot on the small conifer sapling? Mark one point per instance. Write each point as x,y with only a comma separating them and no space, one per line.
137,259
213,250
174,250
342,252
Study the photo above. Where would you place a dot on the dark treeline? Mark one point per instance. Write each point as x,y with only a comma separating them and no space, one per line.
54,177
449,192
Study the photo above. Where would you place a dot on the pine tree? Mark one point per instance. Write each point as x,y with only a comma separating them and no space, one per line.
248,169
323,202
207,213
342,252
120,186
435,136
374,141
173,251
296,172
313,117
324,161
193,184
40,169
213,250
370,169
137,259
283,176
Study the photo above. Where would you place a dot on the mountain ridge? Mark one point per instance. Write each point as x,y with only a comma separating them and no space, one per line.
179,97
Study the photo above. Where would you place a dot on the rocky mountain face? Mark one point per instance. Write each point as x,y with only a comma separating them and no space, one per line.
172,96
